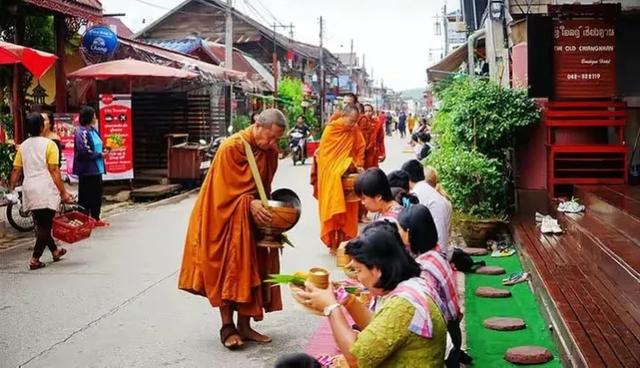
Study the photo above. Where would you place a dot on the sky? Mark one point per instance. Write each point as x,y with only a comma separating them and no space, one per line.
395,35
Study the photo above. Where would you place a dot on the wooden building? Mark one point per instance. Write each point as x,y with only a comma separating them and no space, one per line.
295,58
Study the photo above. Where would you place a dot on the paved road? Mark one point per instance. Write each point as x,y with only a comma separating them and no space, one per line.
113,301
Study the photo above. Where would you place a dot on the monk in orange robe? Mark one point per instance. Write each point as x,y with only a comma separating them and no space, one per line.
341,151
377,139
221,260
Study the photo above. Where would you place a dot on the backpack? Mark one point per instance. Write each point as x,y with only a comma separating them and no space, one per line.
464,262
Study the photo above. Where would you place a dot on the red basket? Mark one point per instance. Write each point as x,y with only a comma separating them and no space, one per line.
67,232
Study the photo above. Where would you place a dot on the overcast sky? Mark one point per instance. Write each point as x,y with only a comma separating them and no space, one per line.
395,35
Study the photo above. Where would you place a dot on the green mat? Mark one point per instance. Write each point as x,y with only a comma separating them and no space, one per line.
487,347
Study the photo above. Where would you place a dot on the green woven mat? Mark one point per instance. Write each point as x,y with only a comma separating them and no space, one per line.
487,347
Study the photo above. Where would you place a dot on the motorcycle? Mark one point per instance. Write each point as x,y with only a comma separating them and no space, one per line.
20,219
297,143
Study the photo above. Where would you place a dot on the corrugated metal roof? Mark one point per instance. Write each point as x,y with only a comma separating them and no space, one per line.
185,45
121,29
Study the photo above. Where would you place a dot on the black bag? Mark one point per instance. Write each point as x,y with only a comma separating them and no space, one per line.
464,262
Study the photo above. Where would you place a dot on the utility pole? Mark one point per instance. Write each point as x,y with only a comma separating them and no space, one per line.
351,55
228,58
445,25
322,76
274,62
274,66
228,39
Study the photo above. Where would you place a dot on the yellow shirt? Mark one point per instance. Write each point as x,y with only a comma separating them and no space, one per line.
51,154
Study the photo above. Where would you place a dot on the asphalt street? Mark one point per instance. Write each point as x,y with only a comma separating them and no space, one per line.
113,301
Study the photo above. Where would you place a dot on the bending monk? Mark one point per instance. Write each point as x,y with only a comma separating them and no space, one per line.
221,261
341,151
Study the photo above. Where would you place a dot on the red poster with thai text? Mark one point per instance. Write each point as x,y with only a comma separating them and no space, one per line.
117,134
584,58
65,126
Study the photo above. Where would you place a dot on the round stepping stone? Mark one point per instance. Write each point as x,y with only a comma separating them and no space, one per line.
490,292
528,355
490,270
504,324
475,251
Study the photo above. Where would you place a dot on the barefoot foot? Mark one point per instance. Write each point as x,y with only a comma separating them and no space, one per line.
252,335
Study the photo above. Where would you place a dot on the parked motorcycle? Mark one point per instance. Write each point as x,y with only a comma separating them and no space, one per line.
297,143
20,219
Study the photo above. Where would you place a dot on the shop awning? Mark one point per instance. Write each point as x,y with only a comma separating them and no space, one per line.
129,68
450,64
36,62
159,55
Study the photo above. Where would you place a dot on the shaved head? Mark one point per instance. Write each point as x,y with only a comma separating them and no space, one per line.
272,116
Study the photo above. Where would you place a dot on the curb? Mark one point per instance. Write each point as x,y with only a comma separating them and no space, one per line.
167,201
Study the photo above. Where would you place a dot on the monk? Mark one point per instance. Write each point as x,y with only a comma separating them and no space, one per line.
221,260
377,139
370,132
348,99
341,151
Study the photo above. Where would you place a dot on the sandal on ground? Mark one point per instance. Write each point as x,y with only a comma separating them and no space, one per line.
61,254
227,331
36,266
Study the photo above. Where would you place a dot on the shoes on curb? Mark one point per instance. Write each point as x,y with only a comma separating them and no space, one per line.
498,253
515,278
550,225
571,206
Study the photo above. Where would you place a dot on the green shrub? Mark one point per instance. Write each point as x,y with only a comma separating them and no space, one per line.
474,182
241,122
476,125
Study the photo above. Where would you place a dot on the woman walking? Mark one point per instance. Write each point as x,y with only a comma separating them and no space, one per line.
42,188
88,164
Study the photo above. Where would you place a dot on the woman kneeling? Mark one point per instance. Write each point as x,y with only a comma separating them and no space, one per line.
406,329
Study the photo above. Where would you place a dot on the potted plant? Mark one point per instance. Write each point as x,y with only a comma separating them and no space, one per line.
477,190
476,126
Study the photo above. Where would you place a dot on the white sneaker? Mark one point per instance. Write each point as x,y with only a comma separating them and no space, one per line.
550,226
571,206
547,225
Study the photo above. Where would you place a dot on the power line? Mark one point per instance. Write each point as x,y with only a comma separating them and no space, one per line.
261,4
255,11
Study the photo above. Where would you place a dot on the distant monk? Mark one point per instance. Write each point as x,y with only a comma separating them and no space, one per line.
341,151
374,136
348,99
221,261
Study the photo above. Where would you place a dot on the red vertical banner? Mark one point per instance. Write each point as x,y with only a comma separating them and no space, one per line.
117,134
584,58
65,126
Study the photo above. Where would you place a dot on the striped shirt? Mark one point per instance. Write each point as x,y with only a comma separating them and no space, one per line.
437,271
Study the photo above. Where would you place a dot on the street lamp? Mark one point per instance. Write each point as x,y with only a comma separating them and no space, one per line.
496,10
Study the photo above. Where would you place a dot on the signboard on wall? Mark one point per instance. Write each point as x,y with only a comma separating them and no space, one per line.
584,54
65,126
116,132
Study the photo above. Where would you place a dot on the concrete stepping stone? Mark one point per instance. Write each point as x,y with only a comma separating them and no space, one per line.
490,292
475,251
504,324
528,355
490,270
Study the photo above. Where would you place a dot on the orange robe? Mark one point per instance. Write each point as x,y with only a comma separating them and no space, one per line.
377,140
340,147
368,128
221,261
336,115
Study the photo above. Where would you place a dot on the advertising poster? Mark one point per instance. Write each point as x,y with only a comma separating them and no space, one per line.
117,133
65,126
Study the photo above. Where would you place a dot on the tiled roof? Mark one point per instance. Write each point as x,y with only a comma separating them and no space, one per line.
121,29
86,9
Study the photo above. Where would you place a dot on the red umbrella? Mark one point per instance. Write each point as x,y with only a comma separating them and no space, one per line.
130,68
37,62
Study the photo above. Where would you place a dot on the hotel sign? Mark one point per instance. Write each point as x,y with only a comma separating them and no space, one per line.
584,58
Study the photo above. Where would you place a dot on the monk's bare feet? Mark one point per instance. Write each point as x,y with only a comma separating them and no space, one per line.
249,334
230,337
